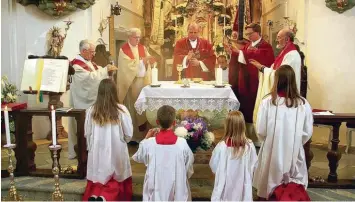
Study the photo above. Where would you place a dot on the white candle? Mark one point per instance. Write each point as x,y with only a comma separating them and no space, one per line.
54,128
154,75
286,10
219,76
7,126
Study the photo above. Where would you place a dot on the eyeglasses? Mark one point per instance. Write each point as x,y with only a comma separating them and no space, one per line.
248,34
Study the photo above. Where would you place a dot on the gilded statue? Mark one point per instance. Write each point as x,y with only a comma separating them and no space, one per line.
55,42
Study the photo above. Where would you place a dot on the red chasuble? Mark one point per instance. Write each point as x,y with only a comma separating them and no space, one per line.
206,55
249,76
166,137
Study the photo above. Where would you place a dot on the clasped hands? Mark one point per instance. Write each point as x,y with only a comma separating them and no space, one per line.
192,60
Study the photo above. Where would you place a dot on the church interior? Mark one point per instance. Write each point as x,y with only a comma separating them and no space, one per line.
323,29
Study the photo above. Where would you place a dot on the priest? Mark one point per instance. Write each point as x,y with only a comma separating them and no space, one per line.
195,54
248,81
83,89
288,56
133,75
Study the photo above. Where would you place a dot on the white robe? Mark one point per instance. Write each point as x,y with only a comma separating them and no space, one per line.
283,132
107,145
233,177
83,93
168,170
266,79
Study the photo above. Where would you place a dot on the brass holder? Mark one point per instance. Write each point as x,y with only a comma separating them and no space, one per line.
57,194
13,195
179,69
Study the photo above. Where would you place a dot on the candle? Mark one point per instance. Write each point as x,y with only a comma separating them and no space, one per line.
154,75
219,76
7,126
215,27
286,9
54,128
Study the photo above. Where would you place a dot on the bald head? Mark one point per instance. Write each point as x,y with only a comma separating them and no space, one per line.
193,30
283,37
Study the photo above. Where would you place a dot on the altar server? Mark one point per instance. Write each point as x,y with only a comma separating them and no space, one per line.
169,161
233,161
108,128
284,125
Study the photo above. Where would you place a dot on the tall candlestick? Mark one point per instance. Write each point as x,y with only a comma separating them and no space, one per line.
154,75
224,26
7,126
54,128
215,27
286,10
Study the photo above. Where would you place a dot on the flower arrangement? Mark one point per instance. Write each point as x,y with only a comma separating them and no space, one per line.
9,92
194,130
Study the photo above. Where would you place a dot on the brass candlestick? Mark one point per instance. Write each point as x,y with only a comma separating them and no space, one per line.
57,194
179,69
13,194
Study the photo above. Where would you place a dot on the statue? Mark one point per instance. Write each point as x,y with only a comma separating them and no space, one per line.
56,42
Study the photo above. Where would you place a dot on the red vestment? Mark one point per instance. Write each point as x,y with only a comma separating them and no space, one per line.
248,80
206,55
166,137
111,191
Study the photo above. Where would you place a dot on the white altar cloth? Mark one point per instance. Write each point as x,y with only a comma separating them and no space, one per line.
196,97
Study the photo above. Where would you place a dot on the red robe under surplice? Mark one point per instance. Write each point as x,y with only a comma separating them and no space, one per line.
248,80
207,56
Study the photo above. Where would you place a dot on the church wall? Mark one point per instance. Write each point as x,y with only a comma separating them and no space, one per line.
330,53
24,32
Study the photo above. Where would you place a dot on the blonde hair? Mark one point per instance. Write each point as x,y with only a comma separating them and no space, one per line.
234,131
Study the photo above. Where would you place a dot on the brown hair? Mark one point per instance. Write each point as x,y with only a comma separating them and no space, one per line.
285,81
166,116
234,131
106,105
255,26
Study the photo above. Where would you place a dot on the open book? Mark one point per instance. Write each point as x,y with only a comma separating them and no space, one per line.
44,74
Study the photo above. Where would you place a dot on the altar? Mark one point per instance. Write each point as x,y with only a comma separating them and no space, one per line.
203,99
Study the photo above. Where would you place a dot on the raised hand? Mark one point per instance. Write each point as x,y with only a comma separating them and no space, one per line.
194,62
255,63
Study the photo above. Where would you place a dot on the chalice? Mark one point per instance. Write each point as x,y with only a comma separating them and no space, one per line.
179,68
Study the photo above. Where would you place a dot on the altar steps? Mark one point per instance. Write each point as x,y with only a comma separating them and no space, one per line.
40,189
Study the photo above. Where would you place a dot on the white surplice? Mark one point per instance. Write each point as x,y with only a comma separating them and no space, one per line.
83,93
266,79
233,176
168,170
107,145
283,132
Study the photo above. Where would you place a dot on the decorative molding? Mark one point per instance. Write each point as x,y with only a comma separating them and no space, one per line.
58,8
340,6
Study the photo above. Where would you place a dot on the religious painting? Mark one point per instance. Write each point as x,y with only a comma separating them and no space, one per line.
58,8
340,6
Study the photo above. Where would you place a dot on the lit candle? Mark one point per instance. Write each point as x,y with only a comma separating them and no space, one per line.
286,10
154,75
54,128
7,126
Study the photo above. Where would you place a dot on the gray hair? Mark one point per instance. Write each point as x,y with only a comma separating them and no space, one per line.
133,31
85,45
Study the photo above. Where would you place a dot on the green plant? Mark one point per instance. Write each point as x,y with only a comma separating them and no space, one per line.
9,92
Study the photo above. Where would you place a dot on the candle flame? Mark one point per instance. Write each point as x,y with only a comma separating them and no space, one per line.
52,108
6,108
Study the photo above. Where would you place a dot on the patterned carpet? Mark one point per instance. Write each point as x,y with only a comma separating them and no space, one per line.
40,189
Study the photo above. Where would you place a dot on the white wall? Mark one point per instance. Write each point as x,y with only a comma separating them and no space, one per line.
24,32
